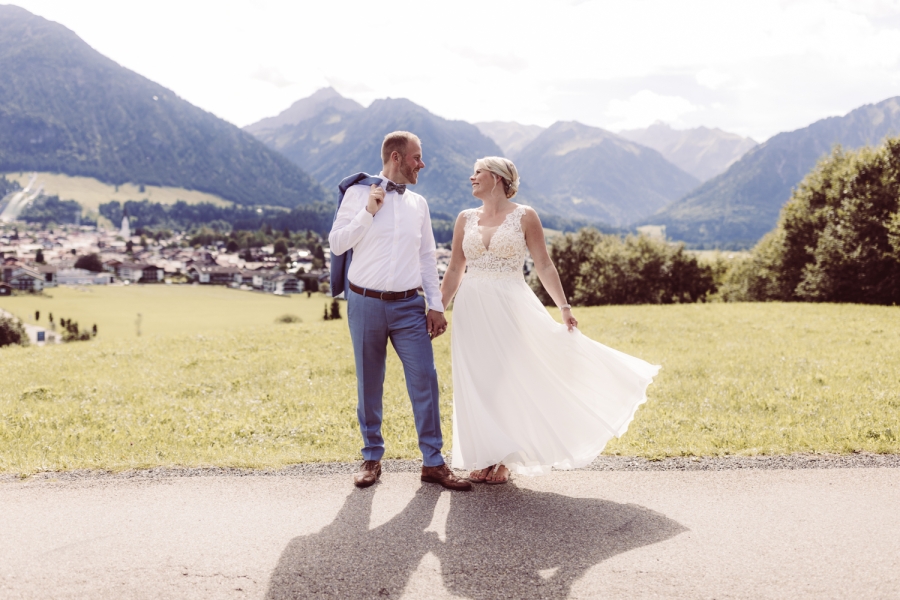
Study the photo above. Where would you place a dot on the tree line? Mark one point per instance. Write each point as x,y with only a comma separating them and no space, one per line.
182,216
837,240
50,210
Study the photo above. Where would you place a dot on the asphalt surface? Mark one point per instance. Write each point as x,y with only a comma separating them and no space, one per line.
664,533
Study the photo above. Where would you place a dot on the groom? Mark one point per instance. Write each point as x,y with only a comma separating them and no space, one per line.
389,230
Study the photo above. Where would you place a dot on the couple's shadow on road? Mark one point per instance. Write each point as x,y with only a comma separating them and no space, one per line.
502,540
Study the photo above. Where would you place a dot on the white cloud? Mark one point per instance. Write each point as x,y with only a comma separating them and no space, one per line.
755,67
273,76
712,78
506,62
646,107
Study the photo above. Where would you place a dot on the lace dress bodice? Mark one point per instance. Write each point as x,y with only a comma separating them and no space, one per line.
505,256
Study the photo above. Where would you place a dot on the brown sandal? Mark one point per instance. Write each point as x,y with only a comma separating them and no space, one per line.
494,472
476,479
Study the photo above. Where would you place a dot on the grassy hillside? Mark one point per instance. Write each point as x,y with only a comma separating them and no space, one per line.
214,381
91,193
65,108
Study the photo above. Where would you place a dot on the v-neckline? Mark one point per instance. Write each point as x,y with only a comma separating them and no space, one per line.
487,247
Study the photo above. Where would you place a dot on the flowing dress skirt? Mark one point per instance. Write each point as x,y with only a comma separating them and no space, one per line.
526,391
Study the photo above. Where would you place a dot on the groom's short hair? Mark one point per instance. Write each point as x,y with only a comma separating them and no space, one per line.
396,142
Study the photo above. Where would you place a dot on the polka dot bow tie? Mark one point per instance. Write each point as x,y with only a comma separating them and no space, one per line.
393,187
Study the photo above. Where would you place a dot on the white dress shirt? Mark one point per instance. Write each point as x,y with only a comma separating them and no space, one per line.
393,251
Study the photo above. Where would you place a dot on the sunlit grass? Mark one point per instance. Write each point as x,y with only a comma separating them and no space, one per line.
163,309
230,386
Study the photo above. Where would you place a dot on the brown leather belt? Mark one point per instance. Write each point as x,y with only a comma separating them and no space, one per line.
389,296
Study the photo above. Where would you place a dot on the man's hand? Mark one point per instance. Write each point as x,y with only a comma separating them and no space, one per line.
437,324
376,199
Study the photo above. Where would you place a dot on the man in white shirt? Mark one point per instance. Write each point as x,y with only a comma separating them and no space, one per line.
389,230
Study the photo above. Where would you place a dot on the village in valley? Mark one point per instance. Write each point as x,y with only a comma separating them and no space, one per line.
34,259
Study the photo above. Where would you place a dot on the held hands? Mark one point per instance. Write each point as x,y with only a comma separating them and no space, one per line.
376,199
568,318
437,324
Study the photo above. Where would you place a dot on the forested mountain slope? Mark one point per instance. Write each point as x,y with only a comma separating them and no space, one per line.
65,108
741,205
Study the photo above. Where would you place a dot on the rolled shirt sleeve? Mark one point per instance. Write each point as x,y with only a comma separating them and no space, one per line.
428,264
352,221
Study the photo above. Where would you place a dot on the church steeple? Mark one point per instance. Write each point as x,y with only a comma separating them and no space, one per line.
125,230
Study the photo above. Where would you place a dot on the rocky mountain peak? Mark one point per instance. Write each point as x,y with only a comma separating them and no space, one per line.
325,99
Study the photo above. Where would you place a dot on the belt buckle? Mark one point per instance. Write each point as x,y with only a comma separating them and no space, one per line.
381,296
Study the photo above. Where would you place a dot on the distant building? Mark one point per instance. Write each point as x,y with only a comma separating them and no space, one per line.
49,273
152,274
215,275
5,289
282,284
27,280
82,277
111,265
130,272
125,230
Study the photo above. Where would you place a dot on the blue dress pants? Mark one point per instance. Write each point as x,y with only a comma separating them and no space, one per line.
372,323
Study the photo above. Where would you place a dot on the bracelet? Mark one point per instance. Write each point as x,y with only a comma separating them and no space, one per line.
565,306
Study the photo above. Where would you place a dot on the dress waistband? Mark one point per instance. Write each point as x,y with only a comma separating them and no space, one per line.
485,274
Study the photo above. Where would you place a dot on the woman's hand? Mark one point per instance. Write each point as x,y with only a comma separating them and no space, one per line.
568,318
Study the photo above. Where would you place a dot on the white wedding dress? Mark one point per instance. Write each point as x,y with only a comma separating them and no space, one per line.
526,391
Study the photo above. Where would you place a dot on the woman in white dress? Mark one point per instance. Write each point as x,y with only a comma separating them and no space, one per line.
529,394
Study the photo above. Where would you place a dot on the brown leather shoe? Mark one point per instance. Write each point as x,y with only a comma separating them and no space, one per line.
368,473
444,476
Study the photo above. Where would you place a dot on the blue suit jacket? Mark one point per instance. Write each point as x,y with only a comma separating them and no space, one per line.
340,263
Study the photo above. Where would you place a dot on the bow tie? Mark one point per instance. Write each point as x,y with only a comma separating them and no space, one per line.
394,187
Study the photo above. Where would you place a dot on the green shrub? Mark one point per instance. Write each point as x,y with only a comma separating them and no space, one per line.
12,332
90,262
71,332
838,237
288,318
597,269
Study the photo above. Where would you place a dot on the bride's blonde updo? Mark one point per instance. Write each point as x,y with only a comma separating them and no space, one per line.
505,169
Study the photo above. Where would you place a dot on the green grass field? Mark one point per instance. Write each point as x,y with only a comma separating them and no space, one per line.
165,309
91,193
214,380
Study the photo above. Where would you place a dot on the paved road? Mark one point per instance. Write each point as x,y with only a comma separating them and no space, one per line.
810,533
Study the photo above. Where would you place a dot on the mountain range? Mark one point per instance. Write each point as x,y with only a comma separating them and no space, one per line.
332,137
742,204
66,108
596,174
512,137
701,151
568,170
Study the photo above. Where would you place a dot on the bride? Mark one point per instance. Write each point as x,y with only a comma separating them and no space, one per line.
529,394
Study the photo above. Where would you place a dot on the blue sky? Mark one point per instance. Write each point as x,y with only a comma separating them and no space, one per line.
755,68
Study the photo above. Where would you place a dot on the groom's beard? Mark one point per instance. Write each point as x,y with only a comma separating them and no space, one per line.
409,173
